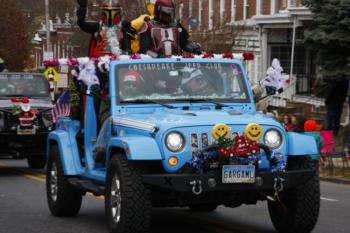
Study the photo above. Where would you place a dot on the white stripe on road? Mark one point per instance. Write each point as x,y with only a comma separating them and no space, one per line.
329,199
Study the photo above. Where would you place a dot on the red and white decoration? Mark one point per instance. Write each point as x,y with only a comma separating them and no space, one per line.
27,115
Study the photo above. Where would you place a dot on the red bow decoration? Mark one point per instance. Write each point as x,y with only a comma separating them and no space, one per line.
135,56
208,55
188,56
228,55
248,56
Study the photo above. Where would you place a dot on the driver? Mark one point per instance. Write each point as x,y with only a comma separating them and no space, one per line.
131,85
197,84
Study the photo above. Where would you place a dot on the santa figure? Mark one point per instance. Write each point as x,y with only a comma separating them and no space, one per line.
26,117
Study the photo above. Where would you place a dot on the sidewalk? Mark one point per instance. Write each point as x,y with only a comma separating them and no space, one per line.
337,174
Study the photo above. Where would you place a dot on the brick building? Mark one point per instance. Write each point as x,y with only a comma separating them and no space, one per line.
264,27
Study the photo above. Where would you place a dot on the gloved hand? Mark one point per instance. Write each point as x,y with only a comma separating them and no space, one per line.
128,29
82,3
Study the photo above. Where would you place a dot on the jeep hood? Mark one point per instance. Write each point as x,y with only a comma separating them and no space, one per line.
35,103
174,119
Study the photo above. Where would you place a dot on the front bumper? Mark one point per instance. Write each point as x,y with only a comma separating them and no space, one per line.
264,180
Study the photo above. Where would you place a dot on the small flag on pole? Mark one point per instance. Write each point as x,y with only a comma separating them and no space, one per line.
62,107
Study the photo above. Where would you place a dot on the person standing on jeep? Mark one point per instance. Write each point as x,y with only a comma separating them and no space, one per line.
164,36
108,37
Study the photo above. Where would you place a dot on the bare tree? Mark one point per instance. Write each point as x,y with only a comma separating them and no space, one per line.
15,45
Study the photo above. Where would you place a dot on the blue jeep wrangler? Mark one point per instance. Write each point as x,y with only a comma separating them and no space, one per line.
181,132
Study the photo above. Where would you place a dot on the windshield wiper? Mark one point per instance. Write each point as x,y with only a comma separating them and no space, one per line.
144,101
218,105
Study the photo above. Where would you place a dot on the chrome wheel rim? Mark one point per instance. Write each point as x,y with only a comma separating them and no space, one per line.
53,182
116,198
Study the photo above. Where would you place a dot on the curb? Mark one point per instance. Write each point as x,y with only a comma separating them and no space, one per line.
337,180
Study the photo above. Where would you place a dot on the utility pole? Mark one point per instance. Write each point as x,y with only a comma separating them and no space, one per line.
47,19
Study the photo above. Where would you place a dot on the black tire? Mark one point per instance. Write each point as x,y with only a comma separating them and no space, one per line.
135,200
203,207
66,200
36,161
302,203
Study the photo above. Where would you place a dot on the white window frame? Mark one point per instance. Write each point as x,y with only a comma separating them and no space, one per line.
222,11
233,10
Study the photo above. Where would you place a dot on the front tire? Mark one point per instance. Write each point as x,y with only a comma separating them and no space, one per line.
63,199
302,203
128,203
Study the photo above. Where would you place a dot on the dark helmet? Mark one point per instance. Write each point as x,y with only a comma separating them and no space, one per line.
164,11
111,12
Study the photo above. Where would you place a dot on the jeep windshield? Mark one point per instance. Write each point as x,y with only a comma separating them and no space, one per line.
176,82
23,84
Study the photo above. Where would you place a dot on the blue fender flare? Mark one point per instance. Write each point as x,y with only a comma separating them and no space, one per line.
68,152
301,145
136,148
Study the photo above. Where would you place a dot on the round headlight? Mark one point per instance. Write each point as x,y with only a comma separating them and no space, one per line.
273,138
175,142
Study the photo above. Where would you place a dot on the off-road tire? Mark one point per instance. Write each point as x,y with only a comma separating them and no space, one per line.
36,161
68,199
302,203
203,207
136,200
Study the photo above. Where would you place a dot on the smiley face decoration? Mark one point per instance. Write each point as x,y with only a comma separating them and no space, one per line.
221,131
253,132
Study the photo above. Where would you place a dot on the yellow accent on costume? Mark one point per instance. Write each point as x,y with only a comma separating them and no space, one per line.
253,132
139,24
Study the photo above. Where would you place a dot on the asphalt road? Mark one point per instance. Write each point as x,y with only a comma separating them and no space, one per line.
23,209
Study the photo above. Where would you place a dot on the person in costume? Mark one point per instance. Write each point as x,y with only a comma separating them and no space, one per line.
108,38
164,36
131,85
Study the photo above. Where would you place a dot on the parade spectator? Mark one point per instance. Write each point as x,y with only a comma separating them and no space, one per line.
287,123
334,100
310,128
298,122
346,141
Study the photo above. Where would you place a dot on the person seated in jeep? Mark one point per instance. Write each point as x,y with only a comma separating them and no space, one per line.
131,85
196,84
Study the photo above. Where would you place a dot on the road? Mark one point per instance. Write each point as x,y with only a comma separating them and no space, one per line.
23,209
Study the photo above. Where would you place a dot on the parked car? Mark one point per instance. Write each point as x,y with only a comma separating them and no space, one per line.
25,116
169,118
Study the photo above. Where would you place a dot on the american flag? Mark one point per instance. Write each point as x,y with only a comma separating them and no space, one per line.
62,107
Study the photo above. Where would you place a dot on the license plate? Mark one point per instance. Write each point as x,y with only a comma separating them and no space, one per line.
26,131
238,174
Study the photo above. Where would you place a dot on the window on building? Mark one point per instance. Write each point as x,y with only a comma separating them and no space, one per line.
274,6
233,10
222,11
181,12
190,9
258,7
291,3
211,14
200,13
245,9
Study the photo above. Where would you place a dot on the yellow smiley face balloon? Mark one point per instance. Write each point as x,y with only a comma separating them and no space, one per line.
253,132
220,130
